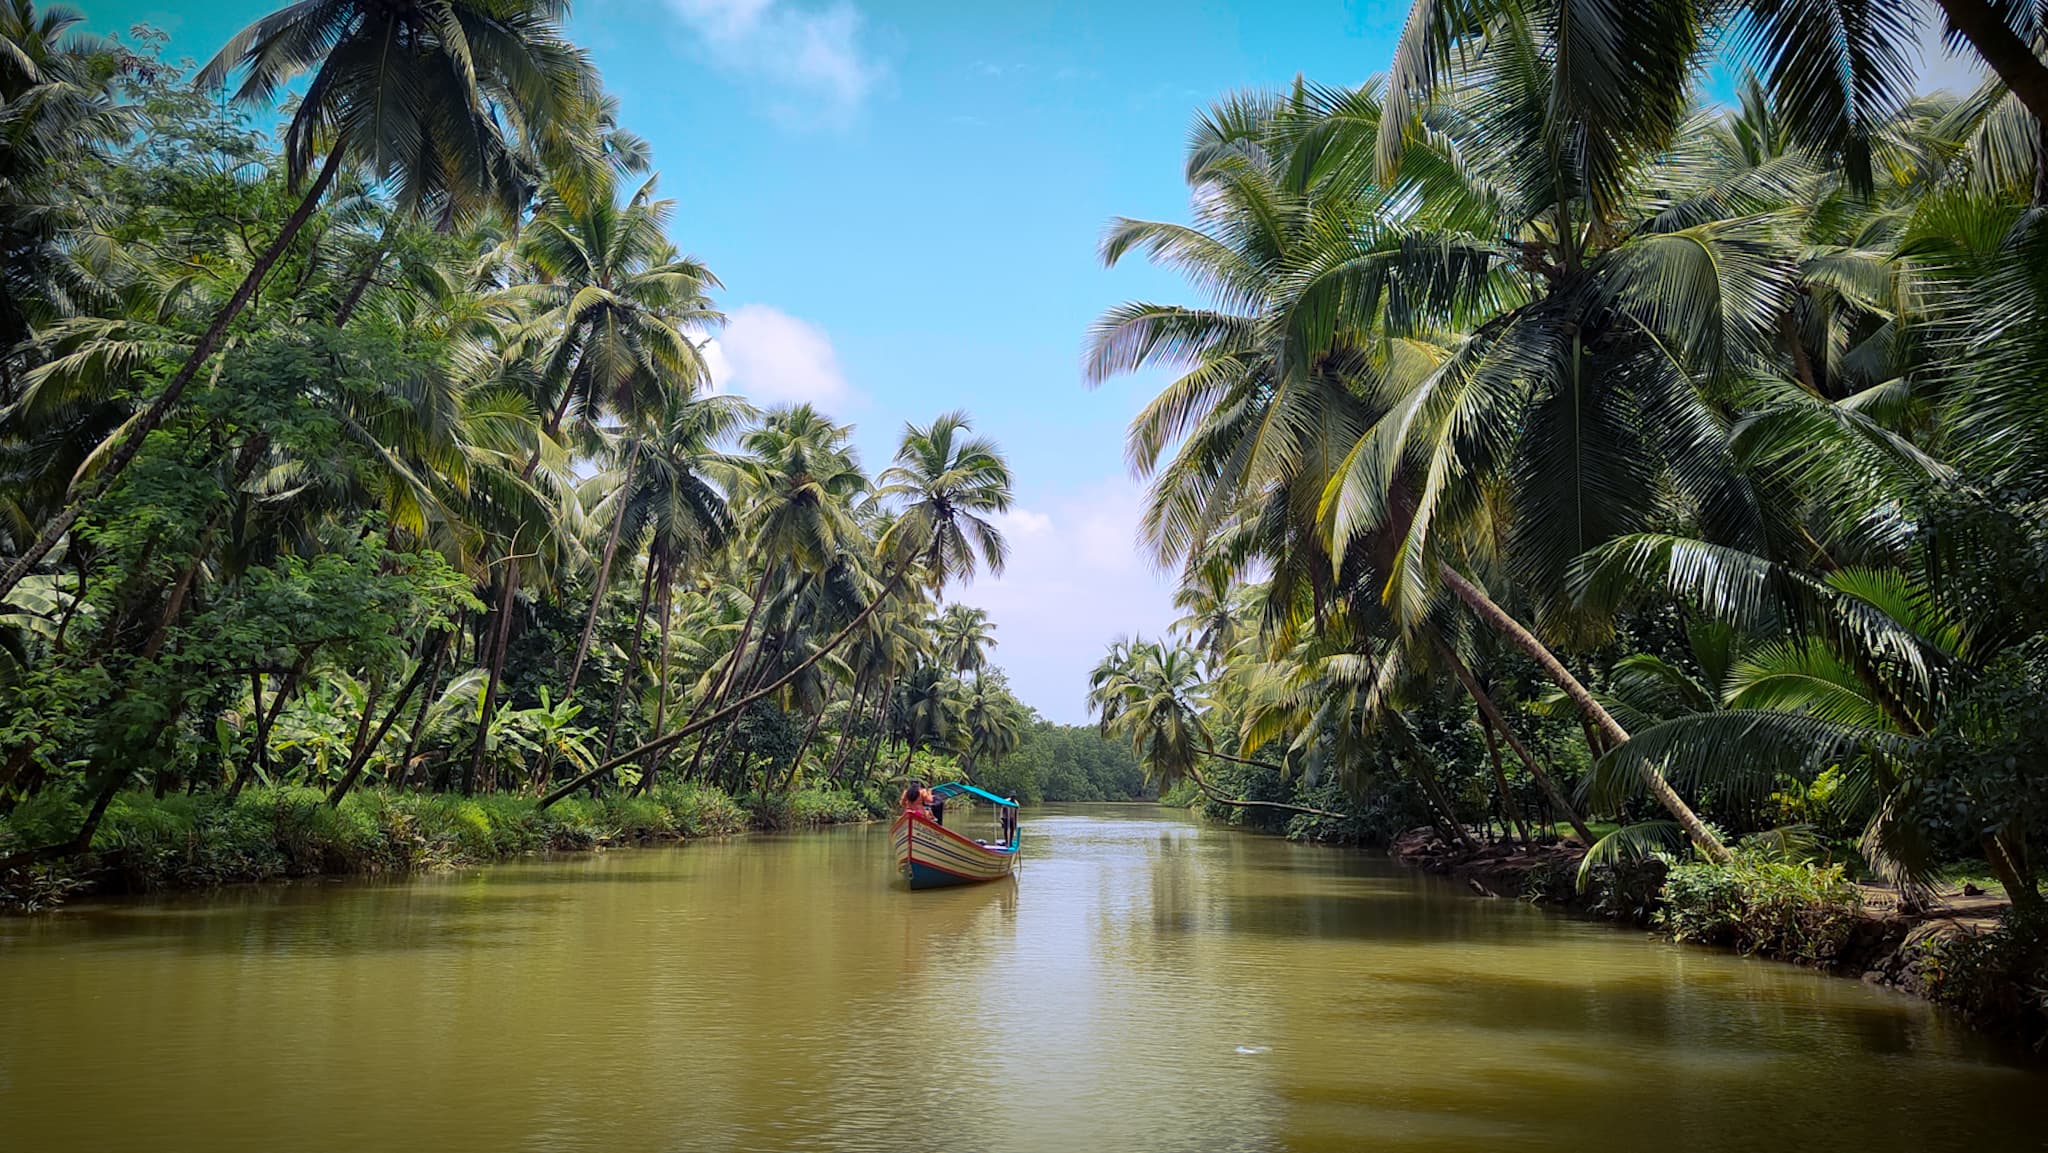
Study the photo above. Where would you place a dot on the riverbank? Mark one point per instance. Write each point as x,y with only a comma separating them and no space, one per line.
1968,952
156,844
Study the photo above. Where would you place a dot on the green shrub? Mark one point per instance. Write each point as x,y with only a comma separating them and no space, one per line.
1797,911
768,812
812,807
1999,979
698,810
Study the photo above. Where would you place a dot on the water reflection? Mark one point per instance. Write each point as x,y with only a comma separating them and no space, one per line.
1143,984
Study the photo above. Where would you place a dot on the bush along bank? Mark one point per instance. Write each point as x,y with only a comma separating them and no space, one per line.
1975,955
149,844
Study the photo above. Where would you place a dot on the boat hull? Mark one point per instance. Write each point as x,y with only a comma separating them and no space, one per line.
930,856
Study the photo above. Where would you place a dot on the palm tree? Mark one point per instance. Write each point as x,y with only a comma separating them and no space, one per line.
610,310
930,710
964,636
669,477
1151,695
1336,417
57,111
947,484
991,722
605,309
428,98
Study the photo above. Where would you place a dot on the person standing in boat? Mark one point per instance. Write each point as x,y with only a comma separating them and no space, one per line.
916,796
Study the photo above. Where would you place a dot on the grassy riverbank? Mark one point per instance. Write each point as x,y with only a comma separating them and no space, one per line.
1970,953
149,844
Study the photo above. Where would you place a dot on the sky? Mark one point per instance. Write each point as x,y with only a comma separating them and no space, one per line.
903,201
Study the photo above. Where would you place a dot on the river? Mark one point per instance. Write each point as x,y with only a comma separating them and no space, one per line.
1146,983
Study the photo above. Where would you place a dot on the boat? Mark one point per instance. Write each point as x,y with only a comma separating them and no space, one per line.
929,855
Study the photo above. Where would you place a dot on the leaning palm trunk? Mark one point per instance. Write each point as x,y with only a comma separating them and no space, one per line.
871,752
853,714
1511,812
130,439
661,680
797,761
732,710
1483,607
1209,791
2005,865
604,575
1984,25
731,678
367,742
611,730
1495,720
489,703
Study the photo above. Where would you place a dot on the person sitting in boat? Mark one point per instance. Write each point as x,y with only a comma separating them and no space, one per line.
916,796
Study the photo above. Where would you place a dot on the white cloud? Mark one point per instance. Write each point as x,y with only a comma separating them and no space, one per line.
1076,579
771,357
812,54
1022,522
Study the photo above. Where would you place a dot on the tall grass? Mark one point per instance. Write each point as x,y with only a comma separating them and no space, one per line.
148,844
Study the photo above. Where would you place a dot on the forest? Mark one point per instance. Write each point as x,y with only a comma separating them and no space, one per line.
362,485
1622,424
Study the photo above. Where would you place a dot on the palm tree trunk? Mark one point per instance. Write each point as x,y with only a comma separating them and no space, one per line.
361,740
796,761
661,693
733,709
873,750
419,717
1202,785
2019,889
1495,720
489,704
604,573
179,591
626,675
360,756
1483,607
137,431
1511,813
1421,765
361,283
853,713
739,649
1984,26
266,719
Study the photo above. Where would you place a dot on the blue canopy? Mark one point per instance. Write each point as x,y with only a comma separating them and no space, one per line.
955,788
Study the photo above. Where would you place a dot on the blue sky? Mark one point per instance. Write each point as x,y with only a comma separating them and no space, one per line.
903,200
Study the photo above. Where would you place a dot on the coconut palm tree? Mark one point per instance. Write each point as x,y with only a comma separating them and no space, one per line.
991,722
58,112
668,477
946,484
1151,695
604,314
1339,415
429,99
964,636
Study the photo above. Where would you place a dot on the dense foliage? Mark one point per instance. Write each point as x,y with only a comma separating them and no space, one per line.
376,456
1559,447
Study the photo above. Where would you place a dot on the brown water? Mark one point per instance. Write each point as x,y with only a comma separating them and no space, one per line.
1145,984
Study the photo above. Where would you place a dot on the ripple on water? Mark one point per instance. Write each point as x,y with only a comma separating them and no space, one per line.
1143,984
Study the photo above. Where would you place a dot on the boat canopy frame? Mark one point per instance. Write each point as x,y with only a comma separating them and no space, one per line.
956,788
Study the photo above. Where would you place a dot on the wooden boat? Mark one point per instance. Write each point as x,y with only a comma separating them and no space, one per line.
929,855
